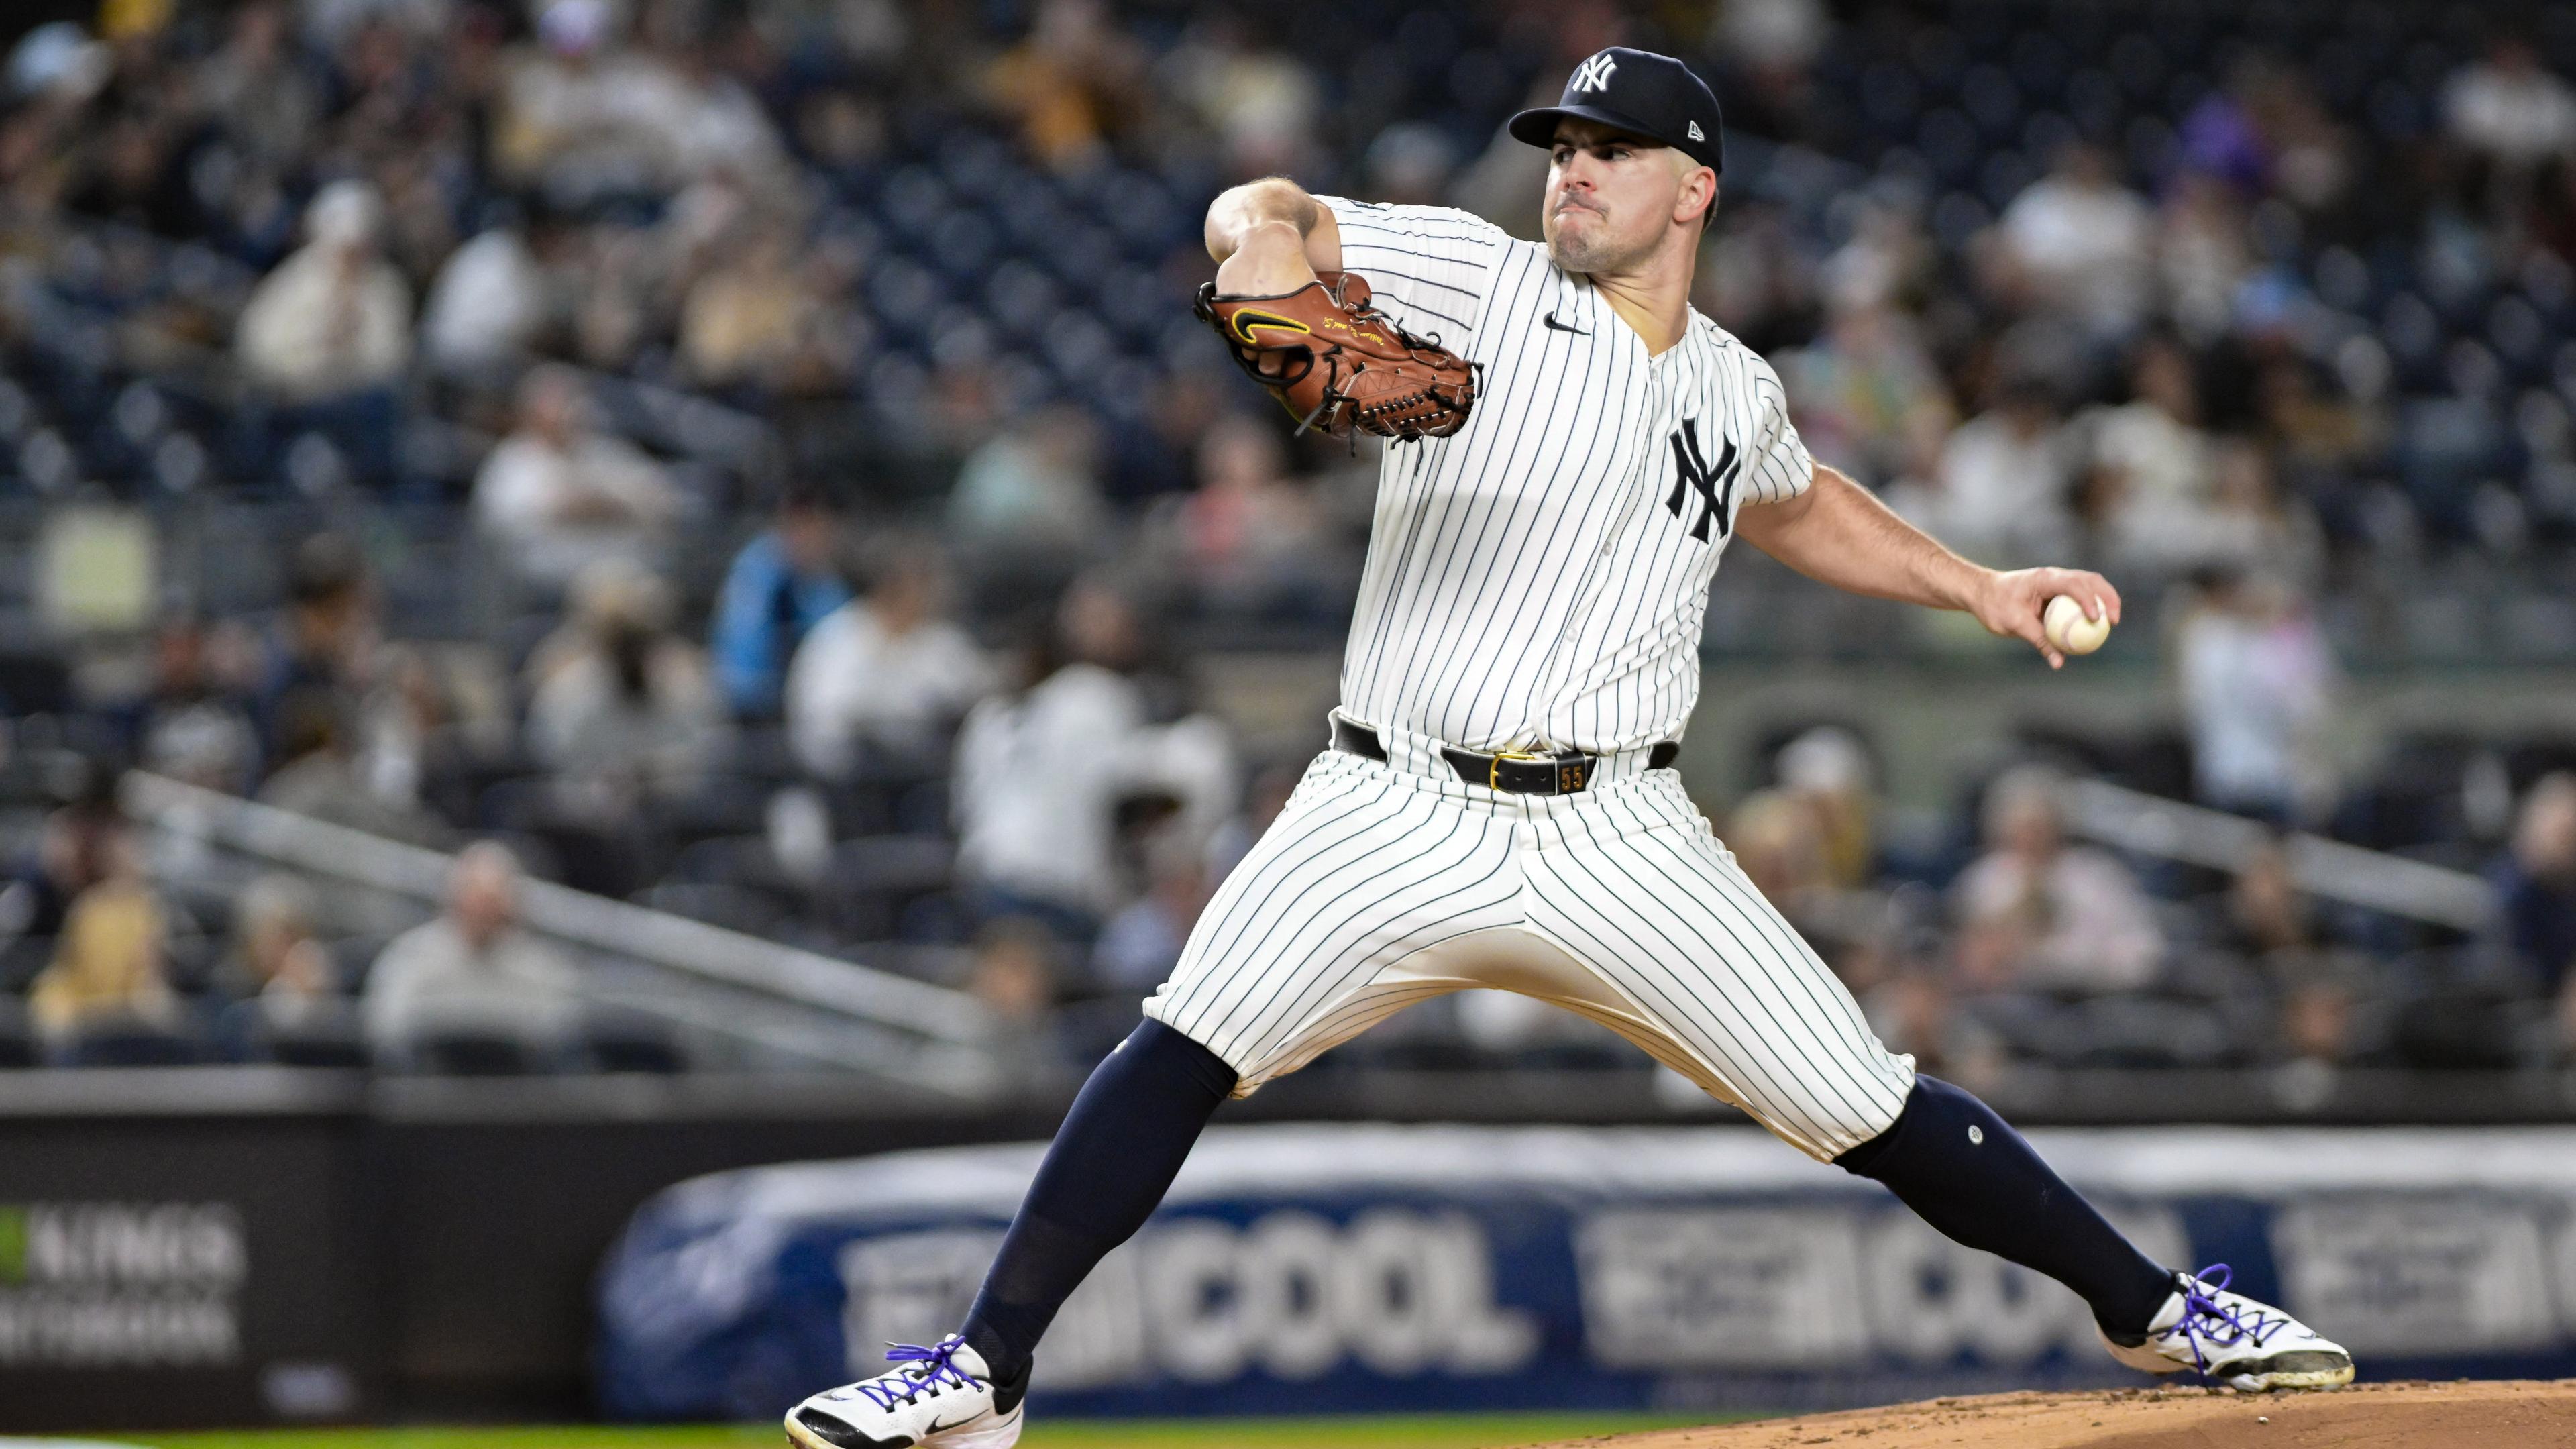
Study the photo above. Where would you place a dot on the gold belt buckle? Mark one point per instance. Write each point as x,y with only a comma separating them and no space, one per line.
1494,765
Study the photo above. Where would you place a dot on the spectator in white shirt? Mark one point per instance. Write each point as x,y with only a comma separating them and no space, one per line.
2509,109
2256,681
2036,913
559,494
2152,462
623,707
1040,770
492,300
335,317
886,670
2082,245
472,970
2004,480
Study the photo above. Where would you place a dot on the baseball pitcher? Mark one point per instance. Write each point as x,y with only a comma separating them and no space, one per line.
1497,807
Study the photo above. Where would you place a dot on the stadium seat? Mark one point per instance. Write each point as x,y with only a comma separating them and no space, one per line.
126,1043
449,1052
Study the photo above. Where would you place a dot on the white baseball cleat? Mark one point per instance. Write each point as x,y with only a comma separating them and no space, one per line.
938,1398
2229,1338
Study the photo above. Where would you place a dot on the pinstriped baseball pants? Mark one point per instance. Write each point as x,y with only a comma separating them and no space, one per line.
1381,885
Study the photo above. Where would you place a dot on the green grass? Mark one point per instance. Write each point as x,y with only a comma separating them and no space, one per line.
1452,1431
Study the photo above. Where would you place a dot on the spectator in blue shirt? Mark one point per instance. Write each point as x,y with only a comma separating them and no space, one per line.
781,585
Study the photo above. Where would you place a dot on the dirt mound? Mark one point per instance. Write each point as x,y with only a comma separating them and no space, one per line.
2505,1415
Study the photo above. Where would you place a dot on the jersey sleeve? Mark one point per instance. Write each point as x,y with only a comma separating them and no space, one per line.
1427,266
1779,467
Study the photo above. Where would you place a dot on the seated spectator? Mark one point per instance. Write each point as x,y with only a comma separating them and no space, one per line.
2318,1011
2256,681
324,641
108,961
623,706
493,299
2004,481
2038,914
193,726
1013,975
1827,769
2080,245
2203,257
1252,539
276,950
1027,506
71,856
318,777
255,88
473,970
2267,914
1854,388
755,320
560,493
335,317
1261,103
1041,765
2536,885
583,118
1778,846
887,670
2508,108
1074,82
2152,463
1140,945
781,585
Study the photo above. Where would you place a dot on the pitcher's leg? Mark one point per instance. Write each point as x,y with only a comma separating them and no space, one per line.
1967,1173
1769,1027
1676,922
1635,887
1364,869
1113,1159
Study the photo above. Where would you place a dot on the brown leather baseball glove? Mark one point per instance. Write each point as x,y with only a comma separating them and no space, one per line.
1338,363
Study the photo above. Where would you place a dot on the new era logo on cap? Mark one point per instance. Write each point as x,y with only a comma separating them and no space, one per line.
1594,74
1694,132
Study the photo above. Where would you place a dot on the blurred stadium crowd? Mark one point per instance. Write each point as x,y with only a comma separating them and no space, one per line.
756,461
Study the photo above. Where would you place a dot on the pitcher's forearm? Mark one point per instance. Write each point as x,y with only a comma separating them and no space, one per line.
1838,533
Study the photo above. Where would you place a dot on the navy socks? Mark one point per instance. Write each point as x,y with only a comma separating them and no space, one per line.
1112,1161
1961,1169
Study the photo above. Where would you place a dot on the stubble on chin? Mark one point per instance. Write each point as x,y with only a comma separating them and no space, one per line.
1581,251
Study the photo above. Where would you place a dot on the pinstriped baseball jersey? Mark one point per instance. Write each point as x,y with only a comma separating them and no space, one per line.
1538,580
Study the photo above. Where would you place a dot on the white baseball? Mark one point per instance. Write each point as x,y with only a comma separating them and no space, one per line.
2067,628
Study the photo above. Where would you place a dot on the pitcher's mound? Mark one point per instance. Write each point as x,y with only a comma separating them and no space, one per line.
2507,1415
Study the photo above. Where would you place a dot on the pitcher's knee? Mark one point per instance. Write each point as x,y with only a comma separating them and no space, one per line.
1860,1112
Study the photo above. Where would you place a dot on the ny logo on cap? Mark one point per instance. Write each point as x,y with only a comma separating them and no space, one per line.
1594,74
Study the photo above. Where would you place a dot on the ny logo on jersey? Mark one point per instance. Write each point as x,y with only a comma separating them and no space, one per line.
1716,487
1594,74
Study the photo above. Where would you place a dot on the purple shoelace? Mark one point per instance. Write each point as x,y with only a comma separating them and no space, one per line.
2199,1307
937,1372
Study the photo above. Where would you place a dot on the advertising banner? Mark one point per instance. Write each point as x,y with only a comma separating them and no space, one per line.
181,1273
1302,1268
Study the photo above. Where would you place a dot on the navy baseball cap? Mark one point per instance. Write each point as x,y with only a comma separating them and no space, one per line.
1642,93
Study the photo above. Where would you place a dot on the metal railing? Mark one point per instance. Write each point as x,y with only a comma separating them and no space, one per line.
926,1035
2196,835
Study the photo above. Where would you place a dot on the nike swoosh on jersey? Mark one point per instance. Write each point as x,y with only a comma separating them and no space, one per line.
1551,321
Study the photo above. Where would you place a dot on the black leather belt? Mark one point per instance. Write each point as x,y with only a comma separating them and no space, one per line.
1564,774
